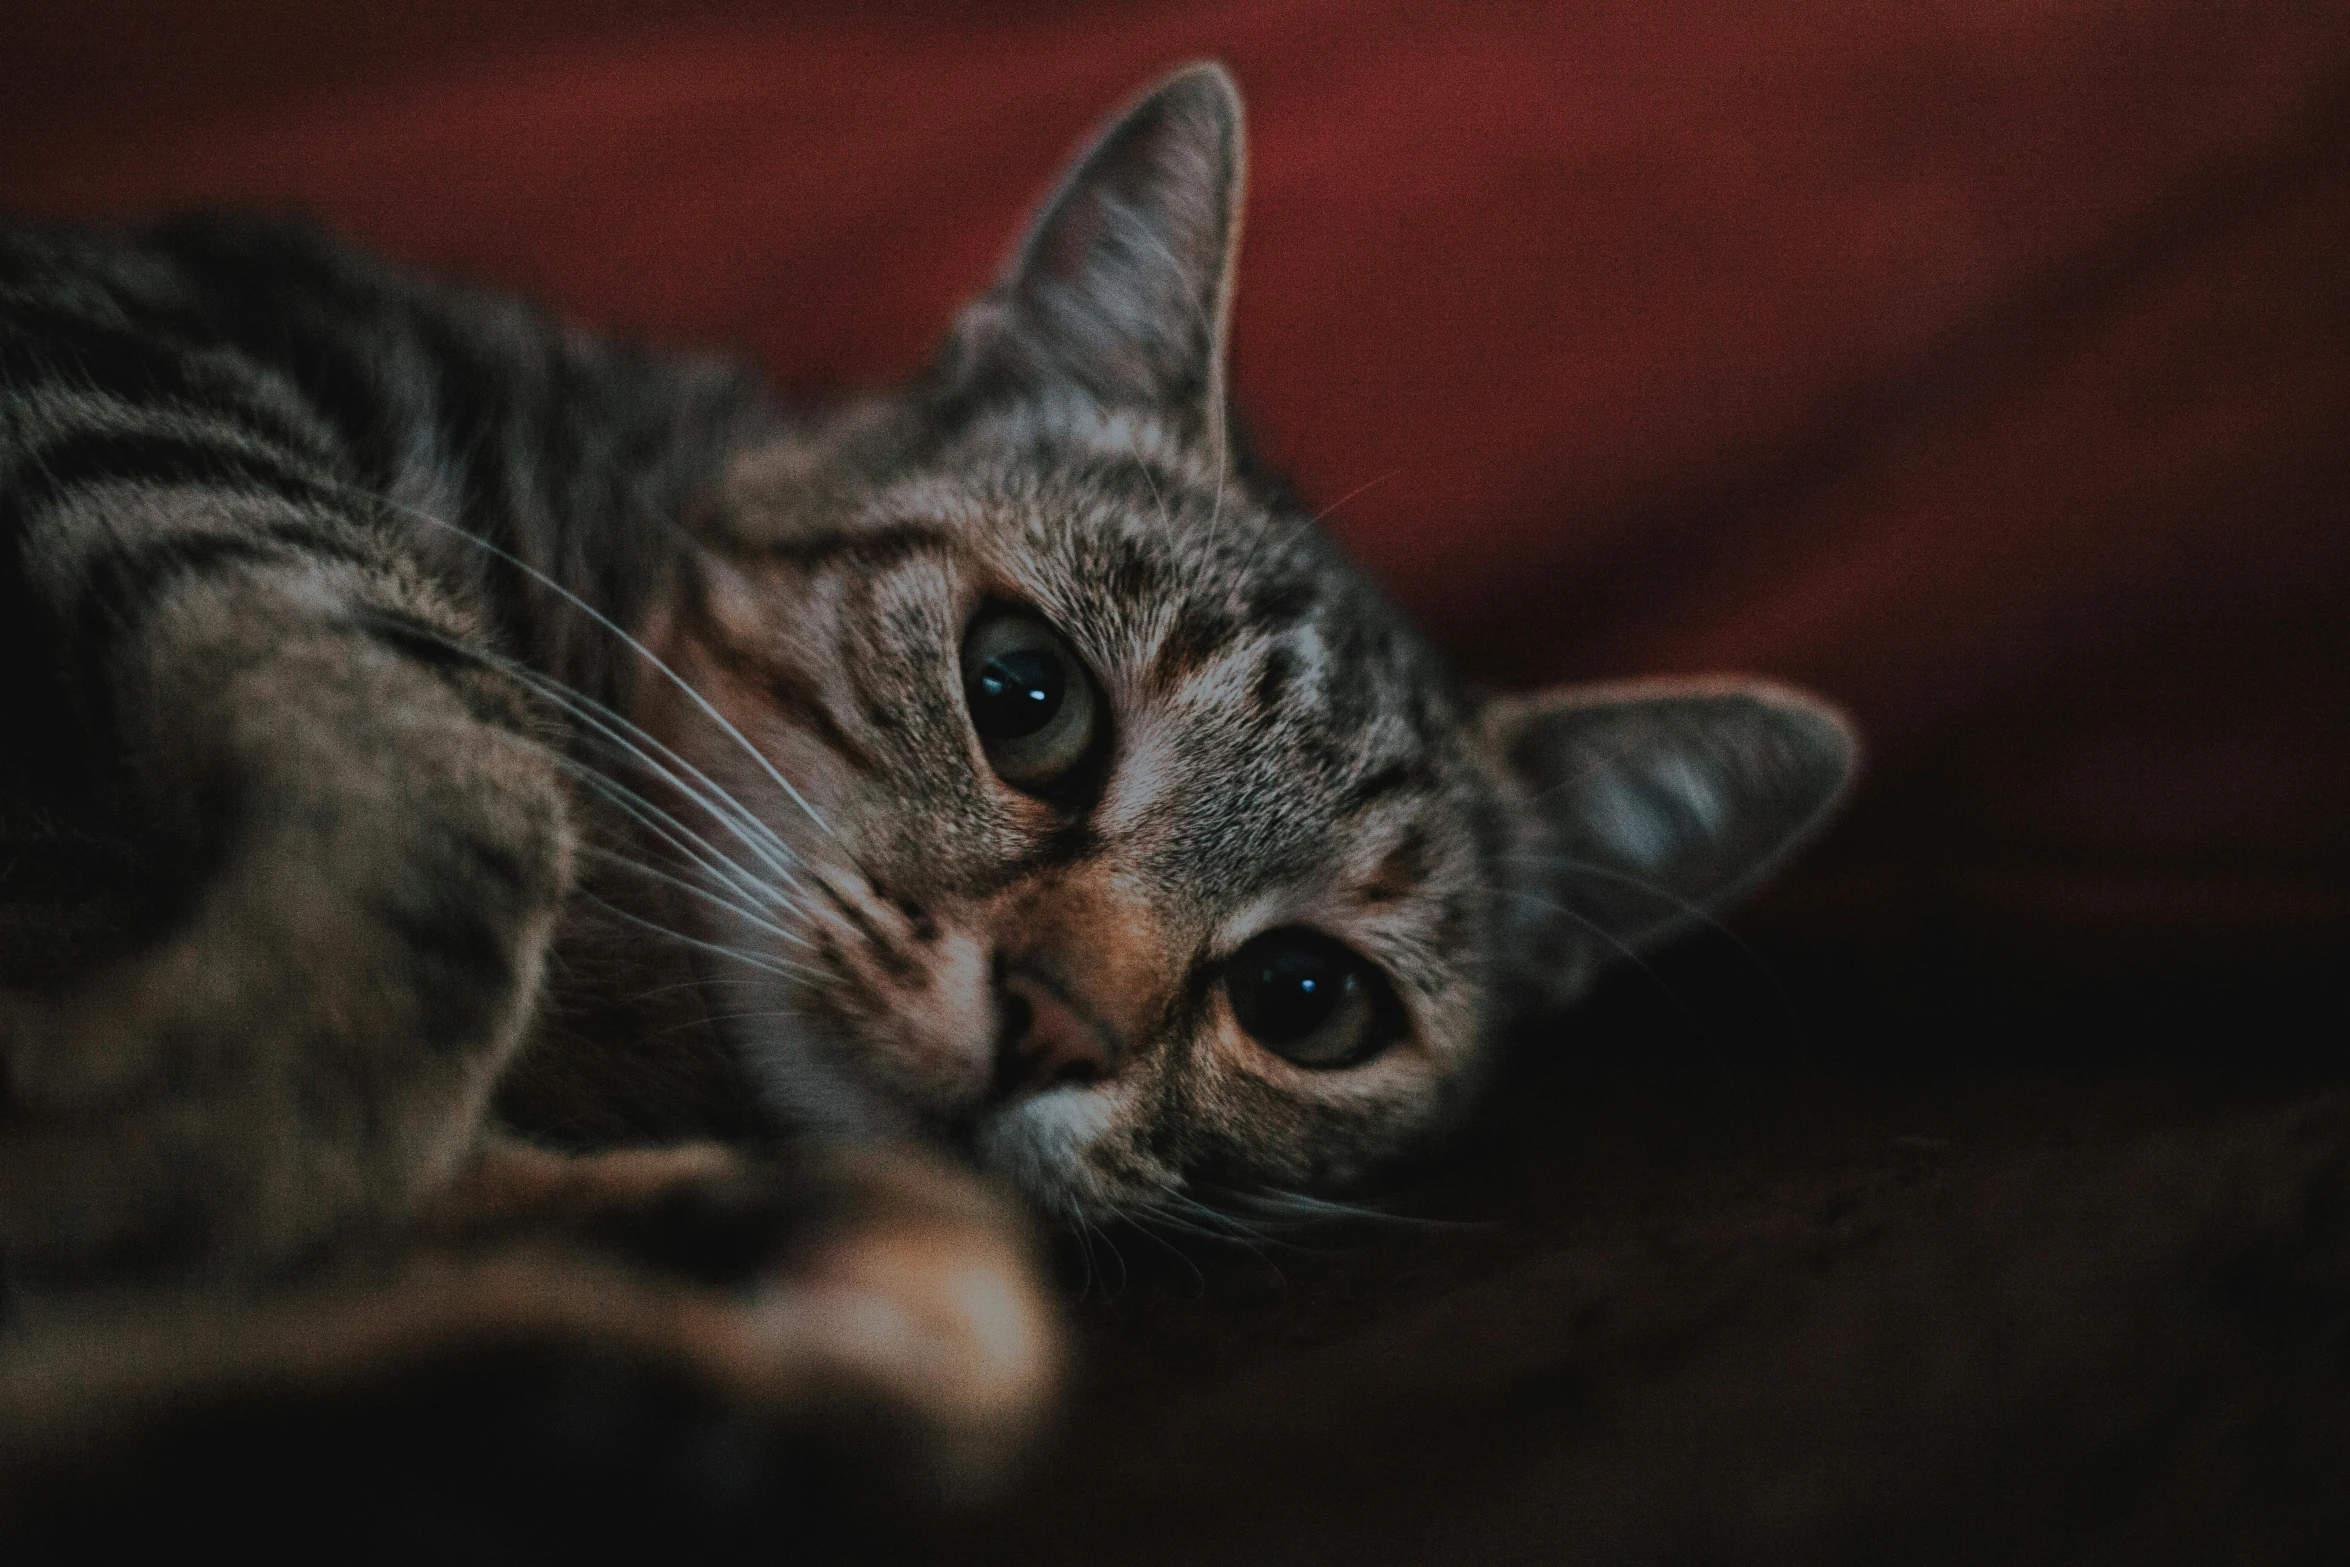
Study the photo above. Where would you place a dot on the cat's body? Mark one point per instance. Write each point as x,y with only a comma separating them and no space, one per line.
442,736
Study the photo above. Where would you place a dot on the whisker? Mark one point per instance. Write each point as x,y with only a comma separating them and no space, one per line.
1137,1221
1270,534
1694,911
750,959
688,843
1323,515
616,729
610,857
1655,889
650,991
684,685
1187,1216
1211,1217
716,1017
1166,518
1216,511
1110,1243
1623,949
1084,1238
1302,1208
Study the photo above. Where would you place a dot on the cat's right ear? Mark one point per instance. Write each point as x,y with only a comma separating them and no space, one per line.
1641,809
1121,292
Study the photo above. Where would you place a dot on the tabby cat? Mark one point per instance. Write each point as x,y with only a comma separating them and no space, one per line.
510,841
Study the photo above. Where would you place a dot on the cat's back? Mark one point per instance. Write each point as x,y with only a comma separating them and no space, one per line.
275,323
220,392
260,353
225,315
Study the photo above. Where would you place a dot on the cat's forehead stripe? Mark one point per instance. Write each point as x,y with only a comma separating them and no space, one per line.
1274,673
1197,636
792,698
866,549
1400,871
1385,779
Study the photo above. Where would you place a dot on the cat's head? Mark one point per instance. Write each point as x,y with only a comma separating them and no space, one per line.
1121,832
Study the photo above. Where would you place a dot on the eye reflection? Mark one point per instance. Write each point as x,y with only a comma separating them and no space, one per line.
1015,694
1031,703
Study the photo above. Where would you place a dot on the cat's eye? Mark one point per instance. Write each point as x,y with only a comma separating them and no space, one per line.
1031,702
1310,999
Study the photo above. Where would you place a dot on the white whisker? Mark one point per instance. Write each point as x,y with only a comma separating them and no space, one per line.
1688,908
1623,948
615,730
708,1018
1142,1220
750,959
684,685
687,843
609,857
1303,1209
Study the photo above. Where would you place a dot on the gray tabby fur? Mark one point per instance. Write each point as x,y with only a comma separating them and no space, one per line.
420,687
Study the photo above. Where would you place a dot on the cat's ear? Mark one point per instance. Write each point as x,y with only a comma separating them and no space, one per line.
1121,291
1643,808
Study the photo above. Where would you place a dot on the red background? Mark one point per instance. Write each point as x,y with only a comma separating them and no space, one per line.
1985,366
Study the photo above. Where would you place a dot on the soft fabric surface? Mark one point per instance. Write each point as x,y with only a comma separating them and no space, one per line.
1986,367
1746,1297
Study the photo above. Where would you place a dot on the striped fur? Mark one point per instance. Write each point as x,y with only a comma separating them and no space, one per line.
437,737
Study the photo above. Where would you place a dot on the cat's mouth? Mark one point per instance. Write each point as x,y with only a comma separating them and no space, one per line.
1039,1142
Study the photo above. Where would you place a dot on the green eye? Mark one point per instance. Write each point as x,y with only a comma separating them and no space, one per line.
1031,702
1309,999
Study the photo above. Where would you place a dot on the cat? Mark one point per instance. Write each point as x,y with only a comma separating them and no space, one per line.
513,840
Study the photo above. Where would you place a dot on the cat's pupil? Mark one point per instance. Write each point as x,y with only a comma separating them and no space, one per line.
1016,693
1285,988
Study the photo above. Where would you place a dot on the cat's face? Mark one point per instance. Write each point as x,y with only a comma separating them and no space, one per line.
1150,838
1122,834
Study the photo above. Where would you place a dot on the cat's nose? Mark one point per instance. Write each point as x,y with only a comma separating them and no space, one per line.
1048,1039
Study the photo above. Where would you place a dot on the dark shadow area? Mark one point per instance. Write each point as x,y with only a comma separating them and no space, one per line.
1776,1251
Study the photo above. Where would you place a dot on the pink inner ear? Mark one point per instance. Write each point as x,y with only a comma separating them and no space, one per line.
1119,286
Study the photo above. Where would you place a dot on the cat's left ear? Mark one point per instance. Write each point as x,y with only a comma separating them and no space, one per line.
1122,289
1641,809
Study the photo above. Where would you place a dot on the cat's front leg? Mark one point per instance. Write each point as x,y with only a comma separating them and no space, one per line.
372,848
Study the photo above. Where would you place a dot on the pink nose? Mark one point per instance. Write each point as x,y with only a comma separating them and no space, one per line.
1047,1039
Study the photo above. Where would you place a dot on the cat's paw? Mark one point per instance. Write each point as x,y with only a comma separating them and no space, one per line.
678,1349
924,1295
881,1300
